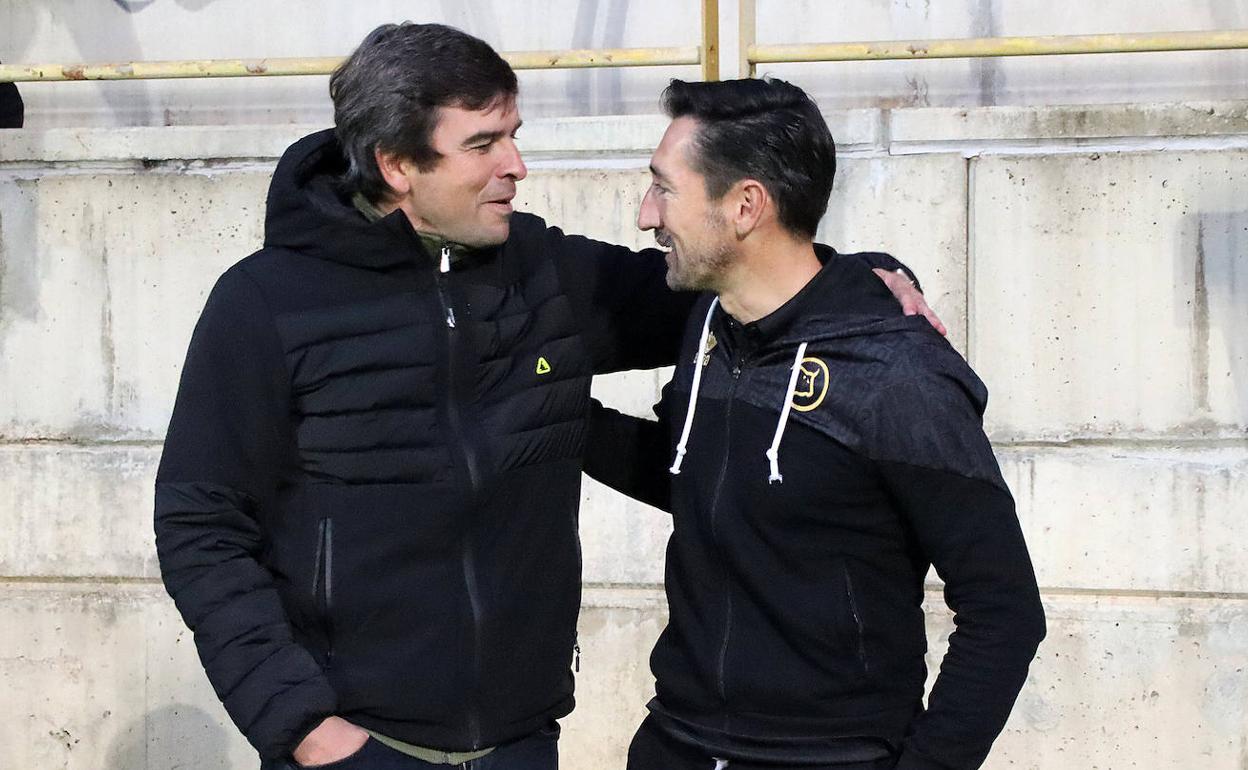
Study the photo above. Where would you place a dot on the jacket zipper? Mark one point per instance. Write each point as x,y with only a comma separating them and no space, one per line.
452,338
721,672
853,610
323,583
461,441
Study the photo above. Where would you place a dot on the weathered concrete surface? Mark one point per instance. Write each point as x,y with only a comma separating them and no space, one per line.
1105,519
1068,122
1133,519
101,280
190,143
915,209
1107,294
104,678
77,511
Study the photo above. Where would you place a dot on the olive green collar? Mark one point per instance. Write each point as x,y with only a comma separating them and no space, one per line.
432,243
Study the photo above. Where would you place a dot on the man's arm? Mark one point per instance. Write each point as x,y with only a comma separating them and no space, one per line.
635,320
632,319
629,454
227,446
965,523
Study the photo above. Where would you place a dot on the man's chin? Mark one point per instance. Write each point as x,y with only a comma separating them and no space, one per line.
678,282
495,235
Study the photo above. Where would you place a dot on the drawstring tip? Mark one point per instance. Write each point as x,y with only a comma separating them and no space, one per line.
773,460
677,461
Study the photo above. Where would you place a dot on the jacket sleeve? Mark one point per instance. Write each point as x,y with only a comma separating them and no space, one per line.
630,454
226,449
632,319
965,523
12,109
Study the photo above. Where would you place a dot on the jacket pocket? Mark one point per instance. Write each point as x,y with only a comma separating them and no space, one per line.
323,584
859,631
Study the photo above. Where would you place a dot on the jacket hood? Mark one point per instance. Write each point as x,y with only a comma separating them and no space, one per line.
308,212
847,317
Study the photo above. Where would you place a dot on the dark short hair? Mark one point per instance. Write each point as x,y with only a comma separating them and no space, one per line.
387,94
762,129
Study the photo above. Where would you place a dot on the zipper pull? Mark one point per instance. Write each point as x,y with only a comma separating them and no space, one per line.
443,268
576,660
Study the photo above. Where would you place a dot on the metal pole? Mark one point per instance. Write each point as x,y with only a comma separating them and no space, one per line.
710,39
748,24
1000,46
277,67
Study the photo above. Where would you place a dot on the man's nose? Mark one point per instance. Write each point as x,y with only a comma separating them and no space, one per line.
513,165
648,214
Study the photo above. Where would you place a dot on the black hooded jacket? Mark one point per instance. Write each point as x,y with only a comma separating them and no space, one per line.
803,534
367,501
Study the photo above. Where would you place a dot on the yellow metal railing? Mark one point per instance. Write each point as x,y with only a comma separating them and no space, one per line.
752,54
707,55
240,68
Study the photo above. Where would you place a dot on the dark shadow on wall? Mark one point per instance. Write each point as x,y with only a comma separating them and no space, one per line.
102,31
1219,281
178,736
597,92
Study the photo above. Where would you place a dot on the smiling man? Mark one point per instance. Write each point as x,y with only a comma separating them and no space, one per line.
818,453
367,505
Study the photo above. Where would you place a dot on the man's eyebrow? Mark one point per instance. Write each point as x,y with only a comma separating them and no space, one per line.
657,174
488,136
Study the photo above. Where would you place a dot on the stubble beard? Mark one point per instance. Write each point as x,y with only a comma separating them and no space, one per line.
704,268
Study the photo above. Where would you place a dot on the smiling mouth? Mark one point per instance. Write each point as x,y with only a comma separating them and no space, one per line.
664,240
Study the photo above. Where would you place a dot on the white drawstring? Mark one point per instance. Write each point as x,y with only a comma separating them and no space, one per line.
693,394
773,454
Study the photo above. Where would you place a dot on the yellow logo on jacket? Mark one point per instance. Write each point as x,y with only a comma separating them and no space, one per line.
812,384
543,366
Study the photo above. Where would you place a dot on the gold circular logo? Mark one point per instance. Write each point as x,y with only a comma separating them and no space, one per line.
812,384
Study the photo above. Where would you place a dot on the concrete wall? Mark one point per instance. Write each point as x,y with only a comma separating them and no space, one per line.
1092,263
127,30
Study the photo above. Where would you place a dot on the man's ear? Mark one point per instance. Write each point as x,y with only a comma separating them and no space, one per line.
749,204
394,169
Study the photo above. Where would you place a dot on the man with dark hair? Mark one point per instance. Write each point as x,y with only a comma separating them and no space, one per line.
824,453
366,508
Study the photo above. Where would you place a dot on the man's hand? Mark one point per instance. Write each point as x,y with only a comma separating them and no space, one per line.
333,739
911,299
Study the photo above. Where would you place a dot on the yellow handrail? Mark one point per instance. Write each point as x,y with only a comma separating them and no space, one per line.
707,54
236,68
998,46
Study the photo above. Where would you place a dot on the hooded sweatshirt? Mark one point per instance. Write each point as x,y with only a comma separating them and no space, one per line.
367,501
816,463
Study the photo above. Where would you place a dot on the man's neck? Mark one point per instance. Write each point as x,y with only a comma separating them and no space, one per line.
767,276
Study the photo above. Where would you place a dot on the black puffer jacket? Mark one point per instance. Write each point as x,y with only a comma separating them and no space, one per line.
367,510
